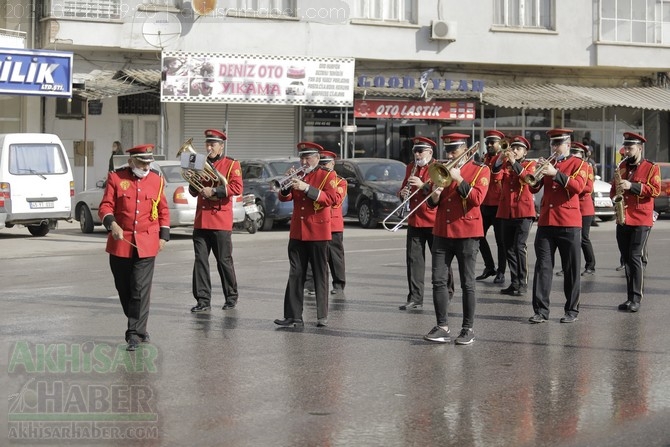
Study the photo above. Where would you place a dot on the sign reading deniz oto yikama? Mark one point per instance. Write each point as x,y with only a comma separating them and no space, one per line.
40,73
257,79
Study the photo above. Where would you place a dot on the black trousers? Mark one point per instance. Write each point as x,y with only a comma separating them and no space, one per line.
489,220
515,235
219,242
587,247
415,258
632,242
444,251
132,279
301,254
335,263
567,240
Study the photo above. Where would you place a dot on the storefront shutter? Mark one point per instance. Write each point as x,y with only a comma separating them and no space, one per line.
254,131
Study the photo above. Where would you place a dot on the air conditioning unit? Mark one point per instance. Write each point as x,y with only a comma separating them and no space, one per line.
441,30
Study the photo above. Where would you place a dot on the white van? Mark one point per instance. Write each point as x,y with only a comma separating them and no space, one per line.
36,182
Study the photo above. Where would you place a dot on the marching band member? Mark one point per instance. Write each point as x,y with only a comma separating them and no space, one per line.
639,182
312,197
559,226
516,212
420,222
135,212
336,244
489,209
587,209
213,226
456,234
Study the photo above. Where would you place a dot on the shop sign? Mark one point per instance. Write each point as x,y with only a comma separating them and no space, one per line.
424,83
38,73
256,79
424,110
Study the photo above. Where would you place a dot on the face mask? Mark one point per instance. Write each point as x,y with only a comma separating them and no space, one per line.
141,173
421,162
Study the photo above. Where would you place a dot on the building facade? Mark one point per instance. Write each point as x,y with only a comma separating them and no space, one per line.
424,67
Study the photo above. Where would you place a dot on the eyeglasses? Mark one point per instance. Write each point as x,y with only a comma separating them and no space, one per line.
557,143
490,143
419,150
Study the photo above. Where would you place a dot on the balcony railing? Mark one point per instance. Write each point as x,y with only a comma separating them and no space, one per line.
12,39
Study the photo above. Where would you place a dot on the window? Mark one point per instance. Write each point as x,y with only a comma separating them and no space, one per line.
635,21
40,159
86,9
265,8
538,14
386,10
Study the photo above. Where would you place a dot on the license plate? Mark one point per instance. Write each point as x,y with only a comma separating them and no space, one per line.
250,209
37,205
604,203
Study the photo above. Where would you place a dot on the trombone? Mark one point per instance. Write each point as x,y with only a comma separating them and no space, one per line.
439,176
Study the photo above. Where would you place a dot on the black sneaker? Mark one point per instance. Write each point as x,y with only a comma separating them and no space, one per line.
466,337
511,290
537,318
559,273
567,318
499,279
201,308
486,274
410,305
438,335
133,343
588,272
229,306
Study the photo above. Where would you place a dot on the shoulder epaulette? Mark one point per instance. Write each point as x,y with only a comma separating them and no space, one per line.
479,162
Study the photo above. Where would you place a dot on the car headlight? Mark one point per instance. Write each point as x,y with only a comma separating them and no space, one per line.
382,197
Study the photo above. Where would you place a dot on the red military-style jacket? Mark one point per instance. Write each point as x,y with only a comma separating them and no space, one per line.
495,187
218,214
458,213
129,201
560,202
311,220
585,200
517,200
424,217
336,218
639,199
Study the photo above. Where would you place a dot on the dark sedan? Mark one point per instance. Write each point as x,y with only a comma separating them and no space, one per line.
373,185
257,175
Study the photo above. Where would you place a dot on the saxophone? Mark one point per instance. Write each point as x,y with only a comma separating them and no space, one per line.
619,205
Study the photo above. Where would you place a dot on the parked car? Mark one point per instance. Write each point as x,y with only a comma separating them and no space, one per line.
601,200
182,205
372,187
257,175
662,202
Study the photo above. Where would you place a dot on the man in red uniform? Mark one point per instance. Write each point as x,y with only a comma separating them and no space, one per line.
559,226
336,244
456,234
516,212
420,222
489,210
313,194
640,184
136,214
213,226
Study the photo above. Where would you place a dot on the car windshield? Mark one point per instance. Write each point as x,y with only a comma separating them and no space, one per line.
280,167
381,172
172,174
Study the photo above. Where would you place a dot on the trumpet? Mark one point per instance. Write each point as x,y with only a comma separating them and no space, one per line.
534,179
198,178
505,144
285,181
439,176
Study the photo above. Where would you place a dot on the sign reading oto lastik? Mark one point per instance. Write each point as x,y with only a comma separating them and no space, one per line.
89,391
257,79
38,73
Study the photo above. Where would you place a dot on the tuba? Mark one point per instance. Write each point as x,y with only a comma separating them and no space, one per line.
199,179
617,200
439,172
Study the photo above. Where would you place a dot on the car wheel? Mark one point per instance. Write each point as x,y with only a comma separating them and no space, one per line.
39,230
85,220
365,215
264,223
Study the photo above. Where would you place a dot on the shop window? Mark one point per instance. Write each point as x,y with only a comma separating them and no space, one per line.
386,10
142,104
531,14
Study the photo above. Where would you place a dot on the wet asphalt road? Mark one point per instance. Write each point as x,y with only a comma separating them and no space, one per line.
231,378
